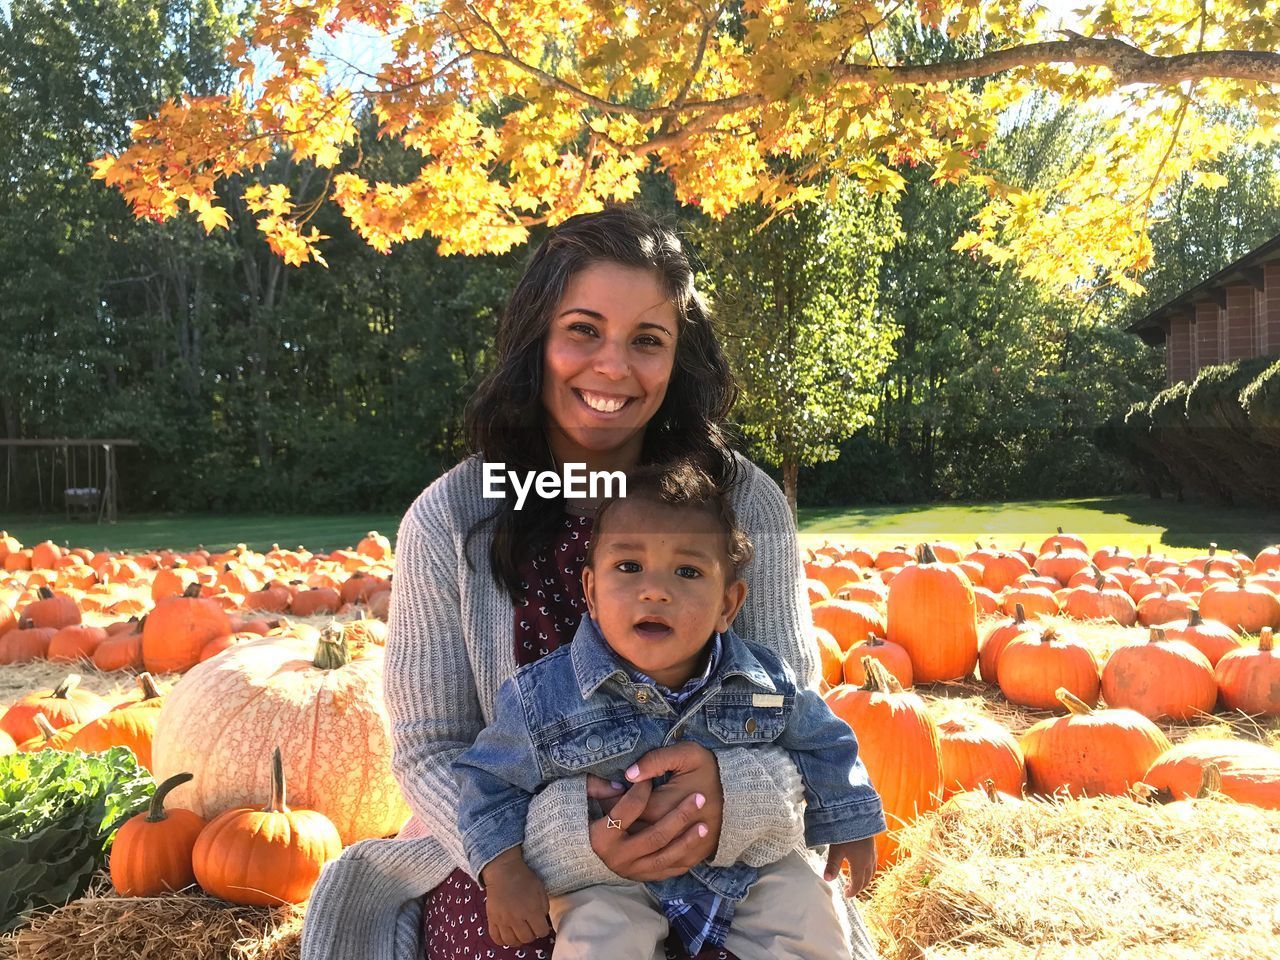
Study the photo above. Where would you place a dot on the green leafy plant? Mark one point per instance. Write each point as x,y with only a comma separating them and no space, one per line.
59,812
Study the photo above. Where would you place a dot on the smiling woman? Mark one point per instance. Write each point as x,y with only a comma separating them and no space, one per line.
606,357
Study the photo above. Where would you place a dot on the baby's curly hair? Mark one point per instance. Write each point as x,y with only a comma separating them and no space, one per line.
682,483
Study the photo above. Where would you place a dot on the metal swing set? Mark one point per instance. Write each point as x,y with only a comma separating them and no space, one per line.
90,483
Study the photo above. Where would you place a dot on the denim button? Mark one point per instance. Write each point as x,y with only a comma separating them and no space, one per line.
750,725
594,742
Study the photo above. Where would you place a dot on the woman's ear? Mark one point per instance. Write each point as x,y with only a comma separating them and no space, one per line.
734,595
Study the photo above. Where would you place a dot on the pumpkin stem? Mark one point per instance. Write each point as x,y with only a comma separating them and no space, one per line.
879,679
155,812
989,788
1157,635
1098,581
331,651
1019,613
1057,549
1265,640
63,690
1213,548
148,684
1074,704
1059,529
277,784
925,554
1239,580
1193,617
47,729
192,591
1049,634
1210,781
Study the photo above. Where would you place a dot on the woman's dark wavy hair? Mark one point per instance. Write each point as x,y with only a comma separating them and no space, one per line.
505,419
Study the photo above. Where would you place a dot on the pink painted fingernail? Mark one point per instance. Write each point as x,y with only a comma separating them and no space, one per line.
702,829
699,800
633,771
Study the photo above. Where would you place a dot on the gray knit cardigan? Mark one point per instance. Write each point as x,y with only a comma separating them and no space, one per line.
450,647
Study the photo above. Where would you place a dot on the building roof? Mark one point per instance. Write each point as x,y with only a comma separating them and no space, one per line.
1247,269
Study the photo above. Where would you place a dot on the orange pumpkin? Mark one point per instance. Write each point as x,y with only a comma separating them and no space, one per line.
999,637
177,630
1249,772
374,546
63,706
132,726
830,656
1241,605
265,857
1214,640
1101,600
892,656
899,746
316,601
1090,751
51,610
848,621
932,615
1032,669
152,852
1061,564
1160,678
120,651
1249,679
75,643
975,748
1068,541
25,644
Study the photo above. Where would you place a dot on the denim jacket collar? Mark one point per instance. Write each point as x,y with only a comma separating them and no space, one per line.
594,662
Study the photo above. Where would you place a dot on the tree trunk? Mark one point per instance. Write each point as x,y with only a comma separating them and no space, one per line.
790,475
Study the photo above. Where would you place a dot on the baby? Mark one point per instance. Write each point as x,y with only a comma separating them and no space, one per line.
655,660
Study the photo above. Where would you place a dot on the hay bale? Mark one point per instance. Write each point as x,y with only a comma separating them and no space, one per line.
173,927
1101,877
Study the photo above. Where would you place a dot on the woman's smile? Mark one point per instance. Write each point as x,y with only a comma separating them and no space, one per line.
607,406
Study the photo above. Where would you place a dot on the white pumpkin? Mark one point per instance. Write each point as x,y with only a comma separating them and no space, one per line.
321,705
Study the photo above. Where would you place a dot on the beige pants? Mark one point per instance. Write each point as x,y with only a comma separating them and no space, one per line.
790,913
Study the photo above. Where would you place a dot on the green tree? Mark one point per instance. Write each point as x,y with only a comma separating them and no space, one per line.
797,298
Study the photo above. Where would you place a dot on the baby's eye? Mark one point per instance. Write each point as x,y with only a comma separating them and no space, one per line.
690,573
628,566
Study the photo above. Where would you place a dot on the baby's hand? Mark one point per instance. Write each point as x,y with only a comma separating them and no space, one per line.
516,901
861,855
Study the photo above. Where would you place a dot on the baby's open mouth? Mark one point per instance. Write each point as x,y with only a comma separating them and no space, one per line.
653,627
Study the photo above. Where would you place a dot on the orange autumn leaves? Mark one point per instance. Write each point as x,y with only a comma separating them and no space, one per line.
528,112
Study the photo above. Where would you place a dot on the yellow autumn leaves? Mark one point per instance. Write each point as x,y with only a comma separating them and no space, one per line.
528,111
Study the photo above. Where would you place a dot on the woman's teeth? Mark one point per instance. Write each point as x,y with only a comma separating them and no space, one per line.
602,404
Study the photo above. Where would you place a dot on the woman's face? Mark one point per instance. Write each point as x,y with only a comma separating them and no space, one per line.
607,360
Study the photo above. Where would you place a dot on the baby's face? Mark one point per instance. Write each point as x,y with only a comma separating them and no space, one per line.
658,588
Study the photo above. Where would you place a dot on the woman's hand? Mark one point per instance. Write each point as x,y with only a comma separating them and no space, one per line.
662,832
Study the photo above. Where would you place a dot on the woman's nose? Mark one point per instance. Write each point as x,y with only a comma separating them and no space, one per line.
611,360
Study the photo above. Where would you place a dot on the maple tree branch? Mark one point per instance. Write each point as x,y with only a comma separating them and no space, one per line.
1126,62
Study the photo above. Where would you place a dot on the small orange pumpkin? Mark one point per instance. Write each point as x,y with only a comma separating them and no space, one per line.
265,857
152,852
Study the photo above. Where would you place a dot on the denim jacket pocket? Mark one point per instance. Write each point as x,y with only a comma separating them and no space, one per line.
741,723
593,743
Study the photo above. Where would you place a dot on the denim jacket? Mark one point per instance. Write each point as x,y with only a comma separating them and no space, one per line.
576,711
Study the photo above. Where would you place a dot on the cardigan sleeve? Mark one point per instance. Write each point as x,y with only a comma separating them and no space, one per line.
764,812
428,686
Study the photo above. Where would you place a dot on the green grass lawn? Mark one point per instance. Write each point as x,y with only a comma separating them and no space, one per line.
1129,522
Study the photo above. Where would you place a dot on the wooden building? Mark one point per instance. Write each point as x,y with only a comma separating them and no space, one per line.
1234,315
